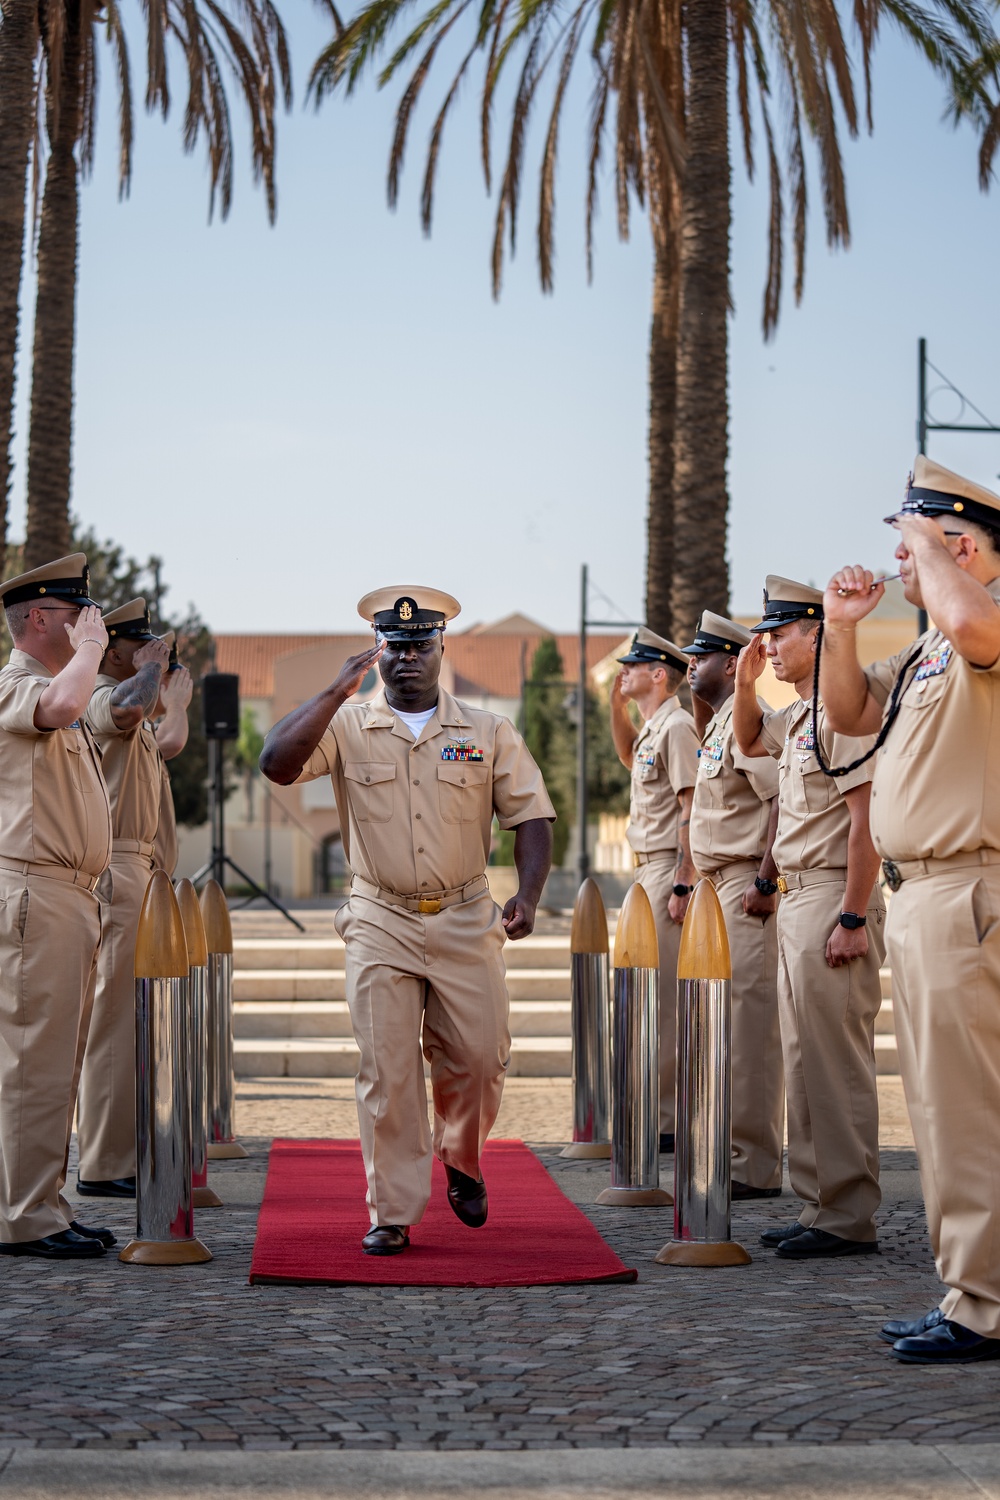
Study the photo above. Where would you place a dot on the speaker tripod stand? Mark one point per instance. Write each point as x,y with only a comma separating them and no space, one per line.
219,859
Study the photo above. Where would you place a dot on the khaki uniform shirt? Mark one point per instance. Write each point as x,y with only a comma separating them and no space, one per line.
416,815
54,806
936,790
664,762
131,764
732,798
814,821
166,852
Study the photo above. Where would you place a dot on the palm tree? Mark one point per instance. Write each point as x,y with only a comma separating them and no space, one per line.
253,49
663,71
18,46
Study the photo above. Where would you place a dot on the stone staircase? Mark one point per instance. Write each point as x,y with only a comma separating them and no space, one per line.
291,1018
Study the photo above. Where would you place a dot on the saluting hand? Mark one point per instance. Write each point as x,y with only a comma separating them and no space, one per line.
88,626
751,662
176,688
153,653
355,669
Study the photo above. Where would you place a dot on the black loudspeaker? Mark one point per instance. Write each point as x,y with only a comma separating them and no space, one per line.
220,705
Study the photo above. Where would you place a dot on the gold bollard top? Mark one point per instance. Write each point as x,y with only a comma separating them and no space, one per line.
215,912
704,951
635,938
194,927
589,933
160,944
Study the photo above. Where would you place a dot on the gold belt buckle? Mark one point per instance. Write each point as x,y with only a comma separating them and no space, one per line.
783,885
428,907
636,861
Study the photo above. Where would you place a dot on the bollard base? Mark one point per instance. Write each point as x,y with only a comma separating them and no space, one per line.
698,1253
205,1197
587,1151
226,1151
165,1252
620,1197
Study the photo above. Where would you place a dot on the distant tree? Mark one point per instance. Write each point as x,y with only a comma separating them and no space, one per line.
607,779
550,735
247,754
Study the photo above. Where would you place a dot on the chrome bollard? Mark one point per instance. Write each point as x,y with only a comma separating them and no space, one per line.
194,932
702,1162
222,1142
635,1076
590,1013
164,1209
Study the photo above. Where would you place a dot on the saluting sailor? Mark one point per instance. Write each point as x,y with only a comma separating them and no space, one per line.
663,758
936,823
733,823
830,937
127,696
418,778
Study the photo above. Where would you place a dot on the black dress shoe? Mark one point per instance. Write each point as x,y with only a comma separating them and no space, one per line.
740,1191
946,1343
105,1236
66,1245
118,1187
778,1236
467,1196
667,1142
813,1244
386,1239
901,1328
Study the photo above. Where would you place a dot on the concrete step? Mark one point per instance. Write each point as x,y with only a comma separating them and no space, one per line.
336,1057
290,1020
329,984
328,953
884,1025
886,1057
885,976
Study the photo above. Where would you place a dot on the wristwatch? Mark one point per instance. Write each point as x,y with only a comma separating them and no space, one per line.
851,920
766,887
683,890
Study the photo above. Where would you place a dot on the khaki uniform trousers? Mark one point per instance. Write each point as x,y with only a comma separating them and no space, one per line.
441,975
50,934
657,880
828,1040
758,1083
944,948
105,1116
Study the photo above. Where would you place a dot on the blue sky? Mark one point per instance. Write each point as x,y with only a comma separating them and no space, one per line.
292,416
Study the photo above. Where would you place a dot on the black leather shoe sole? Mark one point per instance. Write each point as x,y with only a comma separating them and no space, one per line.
104,1236
57,1247
741,1192
122,1187
817,1244
777,1237
987,1349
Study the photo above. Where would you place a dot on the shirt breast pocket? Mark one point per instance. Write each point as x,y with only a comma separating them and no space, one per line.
73,744
460,790
370,789
818,789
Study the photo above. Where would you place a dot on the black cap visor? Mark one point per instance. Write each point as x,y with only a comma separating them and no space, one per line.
779,612
706,645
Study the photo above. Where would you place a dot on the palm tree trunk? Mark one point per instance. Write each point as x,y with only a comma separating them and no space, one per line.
701,576
662,411
50,436
18,45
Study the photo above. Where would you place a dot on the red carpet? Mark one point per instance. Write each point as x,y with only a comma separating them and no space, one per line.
314,1216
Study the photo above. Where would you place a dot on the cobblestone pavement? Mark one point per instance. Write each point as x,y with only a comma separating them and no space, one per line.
110,1356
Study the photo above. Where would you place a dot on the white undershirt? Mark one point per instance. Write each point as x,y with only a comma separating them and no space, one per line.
415,722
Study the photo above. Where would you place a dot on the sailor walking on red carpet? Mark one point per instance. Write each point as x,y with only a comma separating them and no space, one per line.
418,778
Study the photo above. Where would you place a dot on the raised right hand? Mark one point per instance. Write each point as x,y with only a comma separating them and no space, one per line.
88,626
851,594
355,669
751,662
152,653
